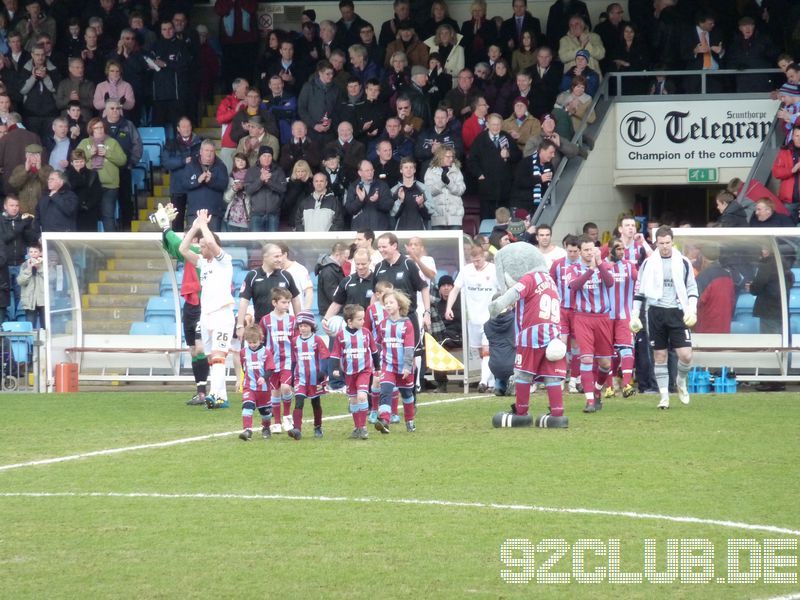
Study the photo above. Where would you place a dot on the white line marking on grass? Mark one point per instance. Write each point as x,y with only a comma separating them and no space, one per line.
417,502
198,438
794,596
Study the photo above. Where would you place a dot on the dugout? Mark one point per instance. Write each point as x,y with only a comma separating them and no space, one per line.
113,305
749,307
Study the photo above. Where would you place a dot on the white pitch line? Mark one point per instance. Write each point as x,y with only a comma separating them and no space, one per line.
793,596
419,502
198,438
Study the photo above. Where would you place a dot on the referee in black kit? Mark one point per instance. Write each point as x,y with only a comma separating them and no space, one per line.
259,283
403,273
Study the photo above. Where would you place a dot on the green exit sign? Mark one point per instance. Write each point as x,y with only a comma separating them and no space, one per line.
702,175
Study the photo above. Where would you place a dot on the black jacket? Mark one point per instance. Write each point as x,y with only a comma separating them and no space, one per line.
329,273
369,214
17,234
734,215
86,186
58,212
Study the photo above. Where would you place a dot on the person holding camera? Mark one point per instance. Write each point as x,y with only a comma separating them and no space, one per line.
31,284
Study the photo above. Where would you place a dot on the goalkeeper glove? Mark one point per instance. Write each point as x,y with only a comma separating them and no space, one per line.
635,325
689,319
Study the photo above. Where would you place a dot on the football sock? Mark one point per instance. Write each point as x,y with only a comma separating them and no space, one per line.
247,418
683,370
662,379
602,377
361,414
587,380
200,372
486,373
384,410
353,408
408,405
395,401
286,400
316,406
575,366
217,372
555,397
626,363
375,397
615,362
522,391
266,415
276,408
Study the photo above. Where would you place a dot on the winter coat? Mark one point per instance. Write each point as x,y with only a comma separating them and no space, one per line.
369,214
448,207
407,214
86,186
173,158
230,196
58,212
31,285
29,186
734,215
265,198
317,100
417,52
208,194
327,216
782,170
128,138
85,89
455,60
40,95
121,91
502,345
329,273
17,234
172,81
530,126
115,159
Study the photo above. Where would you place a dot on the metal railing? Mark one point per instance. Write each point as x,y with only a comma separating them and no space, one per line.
703,74
20,364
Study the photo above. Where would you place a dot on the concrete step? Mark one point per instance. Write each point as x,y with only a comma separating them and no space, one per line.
210,133
120,326
127,315
138,226
161,191
208,122
153,262
114,300
146,289
112,276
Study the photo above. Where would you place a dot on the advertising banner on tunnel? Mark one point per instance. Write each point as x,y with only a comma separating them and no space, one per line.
680,135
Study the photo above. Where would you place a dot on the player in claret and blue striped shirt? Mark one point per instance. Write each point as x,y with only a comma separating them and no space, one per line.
278,329
373,317
396,339
258,365
354,354
309,350
621,296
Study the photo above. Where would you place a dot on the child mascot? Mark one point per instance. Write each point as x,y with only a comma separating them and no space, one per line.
525,284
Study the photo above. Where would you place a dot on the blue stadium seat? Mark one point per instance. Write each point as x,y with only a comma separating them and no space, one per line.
794,300
439,274
745,324
239,256
486,226
165,287
147,328
20,344
153,139
160,306
796,273
794,324
167,321
744,304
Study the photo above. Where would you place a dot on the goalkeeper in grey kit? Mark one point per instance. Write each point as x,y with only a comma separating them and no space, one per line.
668,288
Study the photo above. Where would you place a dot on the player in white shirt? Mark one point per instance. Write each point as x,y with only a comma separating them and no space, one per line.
302,279
479,282
552,252
216,302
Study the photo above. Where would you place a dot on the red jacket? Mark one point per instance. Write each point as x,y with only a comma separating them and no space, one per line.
470,131
225,113
245,21
782,169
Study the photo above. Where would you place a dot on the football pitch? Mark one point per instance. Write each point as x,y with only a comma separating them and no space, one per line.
135,495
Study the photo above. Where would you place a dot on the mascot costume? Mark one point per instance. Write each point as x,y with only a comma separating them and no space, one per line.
526,285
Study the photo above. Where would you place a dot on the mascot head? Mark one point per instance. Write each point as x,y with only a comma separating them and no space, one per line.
514,260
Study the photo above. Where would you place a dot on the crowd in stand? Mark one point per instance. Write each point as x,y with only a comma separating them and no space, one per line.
334,125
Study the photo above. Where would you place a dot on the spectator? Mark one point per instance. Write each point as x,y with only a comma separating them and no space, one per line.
533,177
410,124
701,48
512,28
177,153
340,74
298,186
788,111
785,169
38,91
564,147
327,34
126,134
266,185
27,181
114,88
441,134
349,26
361,67
393,133
253,107
478,33
320,210
368,200
338,181
417,95
407,42
75,87
492,158
767,290
475,124
282,106
559,15
577,103
610,31
133,66
413,204
205,180
546,78
238,36
732,213
17,232
85,183
257,138
630,54
57,209
765,216
524,57
387,167
440,15
351,152
751,49
521,125
462,97
581,69
375,53
439,81
170,62
59,145
237,213
390,28
226,110
93,55
293,72
300,147
106,157
370,116
318,101
31,283
445,182
35,23
580,38
445,44
445,331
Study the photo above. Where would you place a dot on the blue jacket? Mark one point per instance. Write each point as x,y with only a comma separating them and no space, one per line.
173,157
208,194
500,333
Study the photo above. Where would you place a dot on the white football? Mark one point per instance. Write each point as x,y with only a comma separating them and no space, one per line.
335,324
556,350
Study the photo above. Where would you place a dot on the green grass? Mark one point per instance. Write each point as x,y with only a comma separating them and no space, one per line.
722,458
